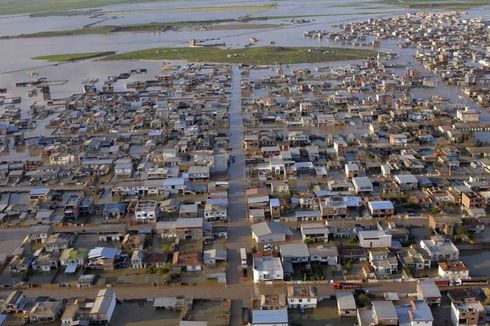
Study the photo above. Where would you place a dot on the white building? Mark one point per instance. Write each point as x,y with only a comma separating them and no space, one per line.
267,268
302,297
440,248
374,239
453,270
146,211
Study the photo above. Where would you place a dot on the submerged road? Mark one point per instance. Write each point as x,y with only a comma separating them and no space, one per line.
238,227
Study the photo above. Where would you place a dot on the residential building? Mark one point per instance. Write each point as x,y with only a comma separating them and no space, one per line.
302,297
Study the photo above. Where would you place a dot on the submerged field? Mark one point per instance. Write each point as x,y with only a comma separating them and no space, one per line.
258,55
442,4
72,56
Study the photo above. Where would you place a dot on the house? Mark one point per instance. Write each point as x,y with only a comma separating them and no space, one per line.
45,261
72,256
414,258
374,239
216,211
40,194
146,211
278,317
398,139
416,313
273,301
198,173
381,313
103,307
182,228
45,311
314,232
267,268
324,254
362,185
381,209
58,242
212,256
39,233
155,260
104,258
346,304
465,313
268,232
302,297
188,210
440,248
13,302
111,232
138,259
114,210
190,262
294,253
446,224
429,292
174,185
406,182
351,170
453,270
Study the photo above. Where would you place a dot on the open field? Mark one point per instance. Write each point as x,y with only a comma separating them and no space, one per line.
72,56
259,55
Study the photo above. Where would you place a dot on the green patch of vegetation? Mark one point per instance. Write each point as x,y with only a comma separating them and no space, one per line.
437,4
267,55
73,56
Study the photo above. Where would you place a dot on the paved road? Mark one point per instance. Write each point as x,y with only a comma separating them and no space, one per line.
238,228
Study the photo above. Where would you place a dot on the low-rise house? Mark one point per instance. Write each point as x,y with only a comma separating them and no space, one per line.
46,261
294,253
314,232
466,313
58,242
111,232
440,249
13,301
155,260
381,209
267,268
104,258
374,239
72,256
268,232
212,256
453,270
417,313
103,307
182,228
273,301
302,297
146,211
381,313
188,210
39,233
324,254
429,292
362,185
45,311
138,259
278,317
446,224
346,304
406,182
414,258
190,262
